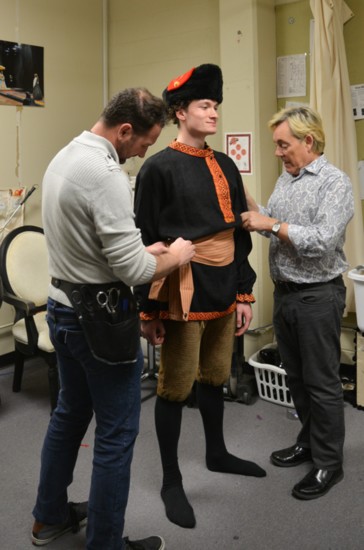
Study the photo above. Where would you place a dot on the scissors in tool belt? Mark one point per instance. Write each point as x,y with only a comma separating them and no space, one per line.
82,298
108,299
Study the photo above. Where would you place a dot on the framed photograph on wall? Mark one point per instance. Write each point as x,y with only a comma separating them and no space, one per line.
238,148
21,74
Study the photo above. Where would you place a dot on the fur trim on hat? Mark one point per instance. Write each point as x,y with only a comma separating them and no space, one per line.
203,82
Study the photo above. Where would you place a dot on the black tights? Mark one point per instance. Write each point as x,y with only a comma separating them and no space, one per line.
168,419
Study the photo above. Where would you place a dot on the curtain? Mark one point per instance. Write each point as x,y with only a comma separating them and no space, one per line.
330,95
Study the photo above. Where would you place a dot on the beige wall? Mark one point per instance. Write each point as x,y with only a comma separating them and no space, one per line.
354,43
152,42
247,42
71,33
293,20
148,44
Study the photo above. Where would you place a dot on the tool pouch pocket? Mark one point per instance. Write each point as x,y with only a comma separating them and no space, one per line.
112,343
109,318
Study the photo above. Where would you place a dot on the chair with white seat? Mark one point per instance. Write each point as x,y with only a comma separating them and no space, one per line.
24,273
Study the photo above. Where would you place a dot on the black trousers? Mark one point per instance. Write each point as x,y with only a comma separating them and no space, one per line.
307,324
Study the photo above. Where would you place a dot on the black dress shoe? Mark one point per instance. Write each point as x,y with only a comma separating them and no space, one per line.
292,456
317,483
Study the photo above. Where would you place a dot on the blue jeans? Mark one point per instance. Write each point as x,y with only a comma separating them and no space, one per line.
89,386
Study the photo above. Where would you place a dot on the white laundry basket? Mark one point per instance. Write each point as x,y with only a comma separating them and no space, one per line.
357,275
271,381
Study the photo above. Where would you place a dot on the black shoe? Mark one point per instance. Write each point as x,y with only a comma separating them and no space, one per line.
317,483
292,456
151,543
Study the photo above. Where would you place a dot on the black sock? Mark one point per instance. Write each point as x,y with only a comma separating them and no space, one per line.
230,464
178,509
168,418
218,459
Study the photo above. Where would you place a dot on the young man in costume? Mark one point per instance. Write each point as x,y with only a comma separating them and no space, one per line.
190,190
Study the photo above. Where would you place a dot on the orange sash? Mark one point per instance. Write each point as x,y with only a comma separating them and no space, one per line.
177,289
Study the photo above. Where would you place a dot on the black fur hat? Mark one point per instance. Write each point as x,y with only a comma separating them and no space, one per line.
202,82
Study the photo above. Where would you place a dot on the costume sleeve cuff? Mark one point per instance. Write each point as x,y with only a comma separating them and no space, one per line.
245,298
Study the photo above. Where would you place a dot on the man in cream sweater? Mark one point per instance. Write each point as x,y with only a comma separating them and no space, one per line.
94,245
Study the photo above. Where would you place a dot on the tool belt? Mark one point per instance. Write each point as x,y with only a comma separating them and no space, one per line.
109,317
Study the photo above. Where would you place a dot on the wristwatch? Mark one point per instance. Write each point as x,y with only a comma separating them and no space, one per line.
276,227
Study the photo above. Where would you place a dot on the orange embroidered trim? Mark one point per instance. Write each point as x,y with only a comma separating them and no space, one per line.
219,179
202,316
247,298
149,316
192,316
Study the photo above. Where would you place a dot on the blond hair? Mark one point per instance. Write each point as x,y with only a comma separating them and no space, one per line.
302,121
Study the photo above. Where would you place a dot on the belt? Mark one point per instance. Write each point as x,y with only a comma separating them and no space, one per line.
68,287
289,286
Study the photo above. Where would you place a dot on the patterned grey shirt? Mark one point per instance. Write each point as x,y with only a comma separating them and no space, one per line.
317,204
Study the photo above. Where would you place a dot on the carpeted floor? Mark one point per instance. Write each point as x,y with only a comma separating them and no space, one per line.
232,512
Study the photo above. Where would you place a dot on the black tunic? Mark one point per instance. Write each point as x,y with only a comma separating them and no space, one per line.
175,197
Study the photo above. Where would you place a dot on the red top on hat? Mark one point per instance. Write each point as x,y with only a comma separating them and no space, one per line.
180,80
202,82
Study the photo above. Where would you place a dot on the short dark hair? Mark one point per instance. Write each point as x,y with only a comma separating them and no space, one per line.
136,106
172,110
